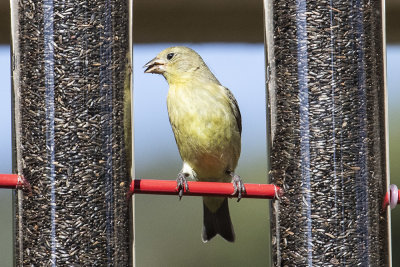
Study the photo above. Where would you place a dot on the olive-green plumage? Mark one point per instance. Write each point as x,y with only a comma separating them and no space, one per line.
206,122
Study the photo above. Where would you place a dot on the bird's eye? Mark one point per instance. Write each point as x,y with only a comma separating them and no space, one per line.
170,55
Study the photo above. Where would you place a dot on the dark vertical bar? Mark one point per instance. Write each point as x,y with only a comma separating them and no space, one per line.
72,132
327,132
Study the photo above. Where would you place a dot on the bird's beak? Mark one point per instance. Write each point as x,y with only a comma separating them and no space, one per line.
156,65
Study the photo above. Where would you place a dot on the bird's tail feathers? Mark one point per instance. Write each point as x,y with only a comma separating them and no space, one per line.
217,223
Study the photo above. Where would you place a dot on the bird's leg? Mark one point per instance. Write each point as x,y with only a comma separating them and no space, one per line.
238,185
181,183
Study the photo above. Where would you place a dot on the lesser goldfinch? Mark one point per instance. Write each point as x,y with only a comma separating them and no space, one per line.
206,122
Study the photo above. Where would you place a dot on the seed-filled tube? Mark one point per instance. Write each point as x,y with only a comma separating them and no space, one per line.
327,132
72,131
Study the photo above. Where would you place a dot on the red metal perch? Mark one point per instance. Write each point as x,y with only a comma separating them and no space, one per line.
168,187
14,181
164,187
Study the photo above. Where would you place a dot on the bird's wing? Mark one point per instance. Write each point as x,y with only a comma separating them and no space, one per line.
235,109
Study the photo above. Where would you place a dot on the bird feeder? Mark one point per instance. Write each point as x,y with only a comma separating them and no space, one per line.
71,68
327,132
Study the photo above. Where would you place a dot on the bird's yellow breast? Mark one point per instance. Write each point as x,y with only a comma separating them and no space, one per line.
205,128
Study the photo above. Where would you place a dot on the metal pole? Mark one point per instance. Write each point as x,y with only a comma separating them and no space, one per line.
327,132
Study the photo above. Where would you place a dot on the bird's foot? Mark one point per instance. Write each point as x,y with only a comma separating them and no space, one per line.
238,185
181,184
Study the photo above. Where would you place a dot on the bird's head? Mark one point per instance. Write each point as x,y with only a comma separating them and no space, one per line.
178,63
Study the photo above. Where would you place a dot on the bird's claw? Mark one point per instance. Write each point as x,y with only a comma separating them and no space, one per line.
238,186
181,184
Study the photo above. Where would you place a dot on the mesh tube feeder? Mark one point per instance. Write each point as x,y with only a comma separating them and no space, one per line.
327,132
71,75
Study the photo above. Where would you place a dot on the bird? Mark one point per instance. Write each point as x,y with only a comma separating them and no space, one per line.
207,125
